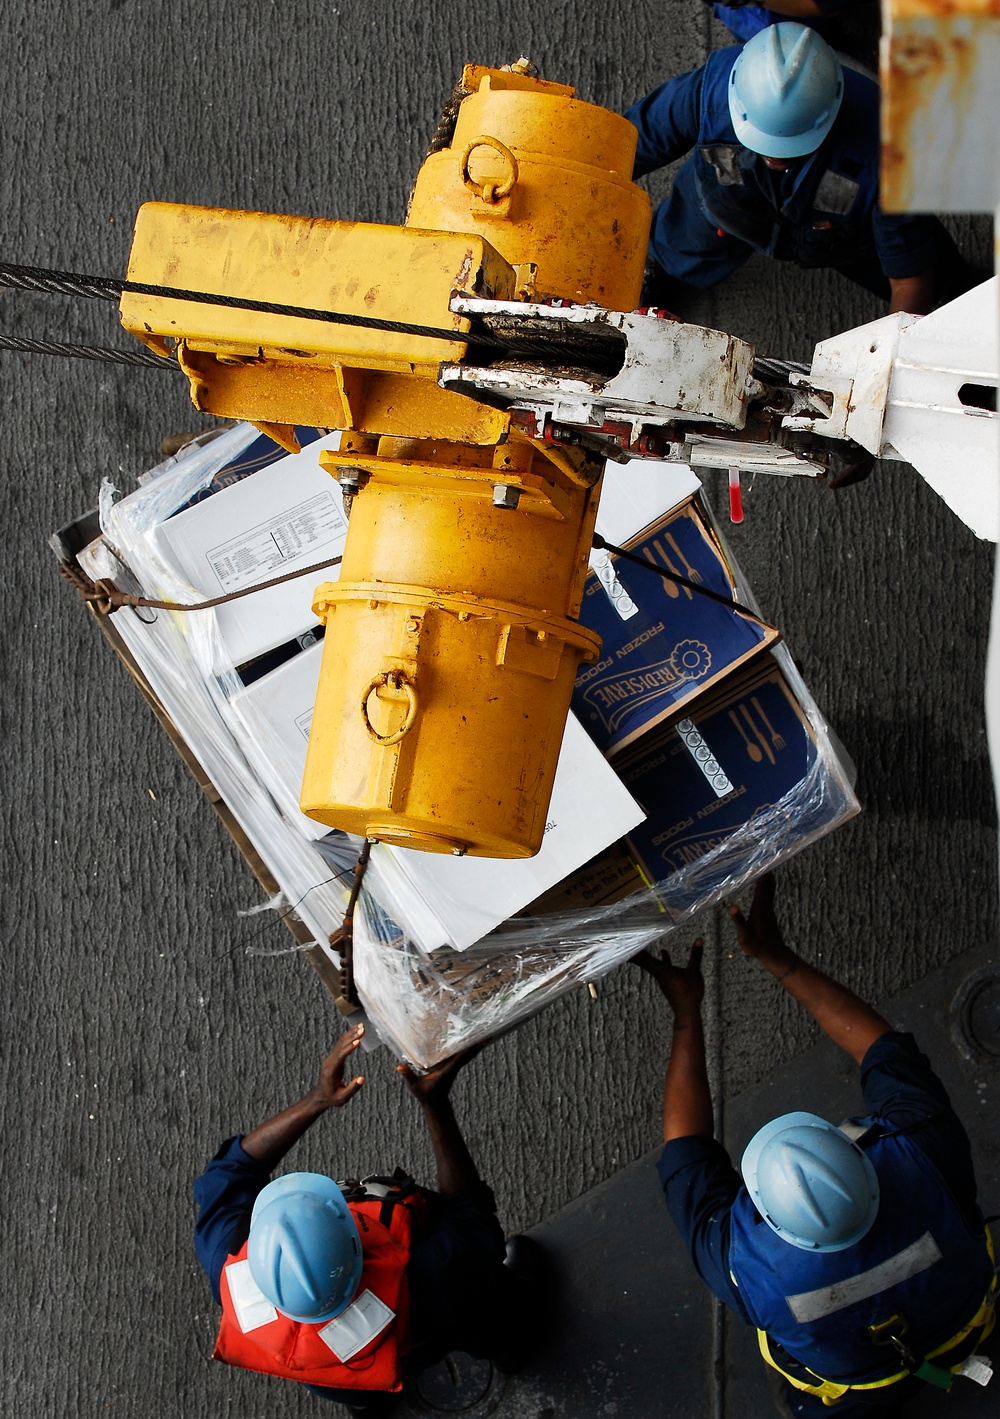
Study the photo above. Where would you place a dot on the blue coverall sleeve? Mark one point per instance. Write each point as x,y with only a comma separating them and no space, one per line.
225,1193
700,1186
461,1294
901,1088
668,121
906,245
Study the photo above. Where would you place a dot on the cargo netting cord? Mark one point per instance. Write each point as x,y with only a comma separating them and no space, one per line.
602,545
343,940
105,597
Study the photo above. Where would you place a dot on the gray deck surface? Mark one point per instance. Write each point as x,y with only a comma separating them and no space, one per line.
137,1031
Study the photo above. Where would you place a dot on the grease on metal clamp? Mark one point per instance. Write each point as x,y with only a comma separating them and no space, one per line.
490,192
398,681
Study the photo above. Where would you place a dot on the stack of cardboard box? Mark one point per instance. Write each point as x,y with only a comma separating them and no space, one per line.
703,716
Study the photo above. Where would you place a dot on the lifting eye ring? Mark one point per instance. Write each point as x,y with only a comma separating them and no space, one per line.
490,192
398,681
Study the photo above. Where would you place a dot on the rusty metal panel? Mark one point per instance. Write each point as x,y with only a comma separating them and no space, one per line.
940,62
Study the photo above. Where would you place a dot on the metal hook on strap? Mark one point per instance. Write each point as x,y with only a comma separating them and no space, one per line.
397,681
490,192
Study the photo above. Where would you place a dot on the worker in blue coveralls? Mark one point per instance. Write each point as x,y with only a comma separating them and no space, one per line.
746,19
859,1252
354,1289
786,162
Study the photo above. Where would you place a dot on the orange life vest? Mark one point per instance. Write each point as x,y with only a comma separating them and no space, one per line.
272,1344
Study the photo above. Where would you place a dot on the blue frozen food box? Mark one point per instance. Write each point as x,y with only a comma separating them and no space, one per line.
742,771
663,643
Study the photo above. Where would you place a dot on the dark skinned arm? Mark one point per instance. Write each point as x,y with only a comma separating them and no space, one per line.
271,1140
456,1172
913,294
795,9
849,1022
687,1099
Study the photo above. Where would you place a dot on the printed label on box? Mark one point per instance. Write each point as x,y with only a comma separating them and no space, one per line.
674,643
617,595
704,758
615,698
266,548
763,746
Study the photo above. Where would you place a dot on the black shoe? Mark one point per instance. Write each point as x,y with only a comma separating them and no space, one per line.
527,1263
374,1405
455,1385
526,1259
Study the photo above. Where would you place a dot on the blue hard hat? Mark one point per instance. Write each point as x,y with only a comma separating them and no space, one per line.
811,1183
304,1250
785,91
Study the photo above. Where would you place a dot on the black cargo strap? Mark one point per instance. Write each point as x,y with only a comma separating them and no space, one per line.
390,1191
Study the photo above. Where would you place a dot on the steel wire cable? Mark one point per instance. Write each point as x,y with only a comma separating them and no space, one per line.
594,343
603,545
100,353
70,283
777,371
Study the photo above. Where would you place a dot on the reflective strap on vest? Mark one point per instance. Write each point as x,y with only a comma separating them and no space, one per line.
830,1390
812,1305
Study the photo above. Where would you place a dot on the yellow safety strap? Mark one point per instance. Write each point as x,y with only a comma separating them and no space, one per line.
830,1392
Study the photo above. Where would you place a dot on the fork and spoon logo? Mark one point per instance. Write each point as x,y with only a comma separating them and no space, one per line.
757,747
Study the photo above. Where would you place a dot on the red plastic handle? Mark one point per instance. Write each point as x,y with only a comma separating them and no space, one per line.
735,496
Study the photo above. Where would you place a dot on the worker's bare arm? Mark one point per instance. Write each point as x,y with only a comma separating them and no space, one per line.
455,1169
849,1022
795,9
271,1140
912,294
687,1099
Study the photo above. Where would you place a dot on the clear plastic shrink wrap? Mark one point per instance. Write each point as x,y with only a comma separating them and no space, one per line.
183,656
750,777
429,1007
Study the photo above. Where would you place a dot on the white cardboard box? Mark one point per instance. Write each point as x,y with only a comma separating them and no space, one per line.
456,901
275,714
441,900
288,515
638,493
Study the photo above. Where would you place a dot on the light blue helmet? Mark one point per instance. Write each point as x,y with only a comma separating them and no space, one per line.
785,91
304,1250
810,1183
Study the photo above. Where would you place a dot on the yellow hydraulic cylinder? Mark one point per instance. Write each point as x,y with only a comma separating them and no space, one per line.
452,639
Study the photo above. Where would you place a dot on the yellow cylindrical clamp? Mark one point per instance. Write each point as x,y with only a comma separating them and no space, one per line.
552,180
469,772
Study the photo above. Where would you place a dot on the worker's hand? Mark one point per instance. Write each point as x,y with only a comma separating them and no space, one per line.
434,1086
684,986
759,934
331,1091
